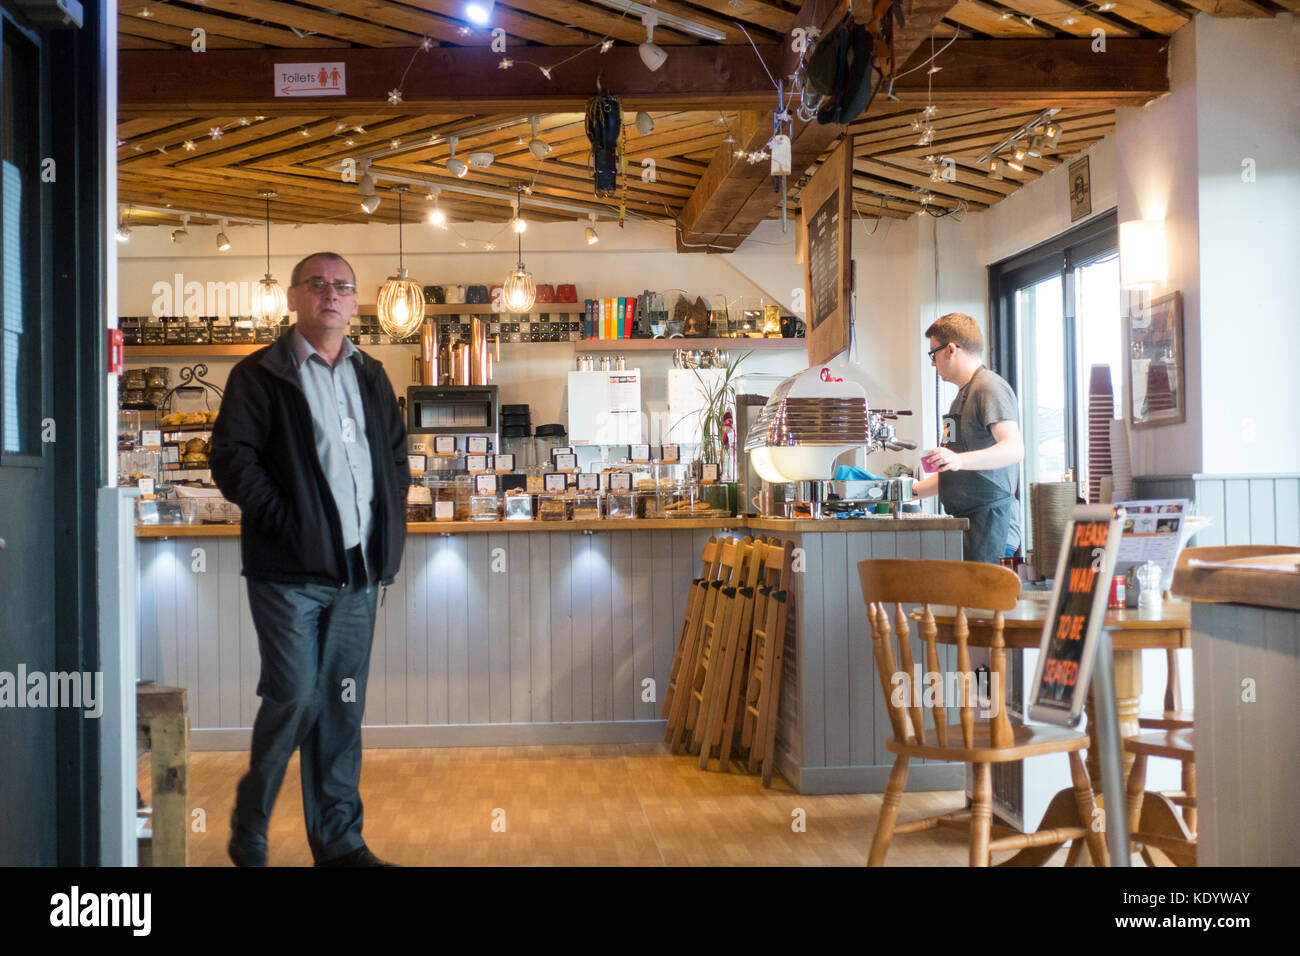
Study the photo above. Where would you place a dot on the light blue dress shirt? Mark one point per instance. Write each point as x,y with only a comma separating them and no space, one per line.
339,433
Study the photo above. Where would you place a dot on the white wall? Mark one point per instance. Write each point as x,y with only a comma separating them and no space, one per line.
641,256
1248,108
1157,179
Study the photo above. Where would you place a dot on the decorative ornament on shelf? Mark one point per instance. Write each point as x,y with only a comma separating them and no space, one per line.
401,300
271,302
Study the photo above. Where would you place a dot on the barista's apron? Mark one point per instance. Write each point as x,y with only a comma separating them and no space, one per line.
990,526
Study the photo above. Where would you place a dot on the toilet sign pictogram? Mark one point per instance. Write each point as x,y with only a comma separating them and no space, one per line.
311,79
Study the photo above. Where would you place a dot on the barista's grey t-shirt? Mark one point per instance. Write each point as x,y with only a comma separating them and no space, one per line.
981,403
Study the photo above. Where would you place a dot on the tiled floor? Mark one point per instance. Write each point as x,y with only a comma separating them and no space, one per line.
604,805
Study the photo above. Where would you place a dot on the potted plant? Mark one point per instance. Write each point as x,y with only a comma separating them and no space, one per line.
718,440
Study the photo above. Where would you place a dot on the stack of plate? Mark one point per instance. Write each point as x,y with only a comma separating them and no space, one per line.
1101,410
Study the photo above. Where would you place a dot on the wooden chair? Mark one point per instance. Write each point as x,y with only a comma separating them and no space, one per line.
761,698
1154,823
994,739
682,716
719,636
727,684
691,621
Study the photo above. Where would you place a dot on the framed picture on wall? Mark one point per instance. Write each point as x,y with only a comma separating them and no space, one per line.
1153,370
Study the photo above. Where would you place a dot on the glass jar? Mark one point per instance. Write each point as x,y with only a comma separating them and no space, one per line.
586,507
135,379
516,440
518,507
547,438
553,506
484,508
419,503
463,488
152,331
158,376
620,504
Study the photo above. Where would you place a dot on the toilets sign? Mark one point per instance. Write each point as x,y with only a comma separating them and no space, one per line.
311,79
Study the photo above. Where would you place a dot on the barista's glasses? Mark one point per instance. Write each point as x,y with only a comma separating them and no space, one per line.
317,285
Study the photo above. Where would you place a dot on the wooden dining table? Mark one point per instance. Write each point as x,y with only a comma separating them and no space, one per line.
1130,634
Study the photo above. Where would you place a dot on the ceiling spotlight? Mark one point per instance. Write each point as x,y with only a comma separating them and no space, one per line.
481,160
370,204
592,236
1037,143
652,55
995,169
223,241
1018,154
436,216
123,232
1052,132
457,167
645,124
366,185
1016,164
535,146
479,11
183,233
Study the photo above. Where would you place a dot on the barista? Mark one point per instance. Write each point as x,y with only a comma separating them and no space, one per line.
977,462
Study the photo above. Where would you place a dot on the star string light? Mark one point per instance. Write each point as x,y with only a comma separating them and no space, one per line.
216,132
189,145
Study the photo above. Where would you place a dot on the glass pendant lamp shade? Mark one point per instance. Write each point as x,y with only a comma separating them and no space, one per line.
401,306
520,291
401,300
271,303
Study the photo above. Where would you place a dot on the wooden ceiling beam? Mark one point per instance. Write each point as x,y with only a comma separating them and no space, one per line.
734,195
443,80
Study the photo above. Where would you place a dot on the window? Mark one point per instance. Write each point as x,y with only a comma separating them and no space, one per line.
20,218
1056,315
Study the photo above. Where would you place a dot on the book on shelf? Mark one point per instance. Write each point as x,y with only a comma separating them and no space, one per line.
622,318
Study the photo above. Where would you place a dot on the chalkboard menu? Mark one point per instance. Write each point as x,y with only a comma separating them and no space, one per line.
825,238
1077,610
824,260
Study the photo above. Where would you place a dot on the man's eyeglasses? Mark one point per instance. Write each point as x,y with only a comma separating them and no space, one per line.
318,285
934,352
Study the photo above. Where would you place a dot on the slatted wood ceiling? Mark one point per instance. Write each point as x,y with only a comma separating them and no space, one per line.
293,155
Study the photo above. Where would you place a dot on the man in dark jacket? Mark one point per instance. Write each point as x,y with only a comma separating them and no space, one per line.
310,444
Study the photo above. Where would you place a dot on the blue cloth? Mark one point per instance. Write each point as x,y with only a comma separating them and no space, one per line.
339,426
852,473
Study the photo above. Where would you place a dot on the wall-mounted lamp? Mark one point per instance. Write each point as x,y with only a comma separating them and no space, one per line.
1142,254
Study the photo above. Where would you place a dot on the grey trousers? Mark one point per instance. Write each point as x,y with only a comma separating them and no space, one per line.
314,642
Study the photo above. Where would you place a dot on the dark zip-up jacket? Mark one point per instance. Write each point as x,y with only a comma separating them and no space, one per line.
264,460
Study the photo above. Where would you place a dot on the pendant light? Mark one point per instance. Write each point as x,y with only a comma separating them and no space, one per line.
271,303
520,292
401,301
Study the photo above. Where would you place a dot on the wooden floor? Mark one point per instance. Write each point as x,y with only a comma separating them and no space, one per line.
604,805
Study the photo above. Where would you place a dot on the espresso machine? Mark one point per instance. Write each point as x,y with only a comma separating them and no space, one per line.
812,419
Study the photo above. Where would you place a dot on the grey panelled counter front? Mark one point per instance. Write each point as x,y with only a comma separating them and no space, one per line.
1246,673
832,728
528,633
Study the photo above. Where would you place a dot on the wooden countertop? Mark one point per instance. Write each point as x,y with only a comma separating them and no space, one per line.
1260,581
925,523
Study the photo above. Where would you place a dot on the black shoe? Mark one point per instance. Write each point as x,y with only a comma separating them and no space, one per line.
361,856
243,855
244,852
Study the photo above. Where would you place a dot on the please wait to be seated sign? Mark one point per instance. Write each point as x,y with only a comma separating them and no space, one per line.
311,79
1068,646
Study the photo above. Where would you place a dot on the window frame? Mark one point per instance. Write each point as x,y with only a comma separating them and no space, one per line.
1095,239
39,457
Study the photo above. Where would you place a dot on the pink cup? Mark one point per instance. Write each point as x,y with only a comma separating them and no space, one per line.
926,466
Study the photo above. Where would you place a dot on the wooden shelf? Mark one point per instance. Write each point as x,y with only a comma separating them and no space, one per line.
180,351
672,345
460,308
